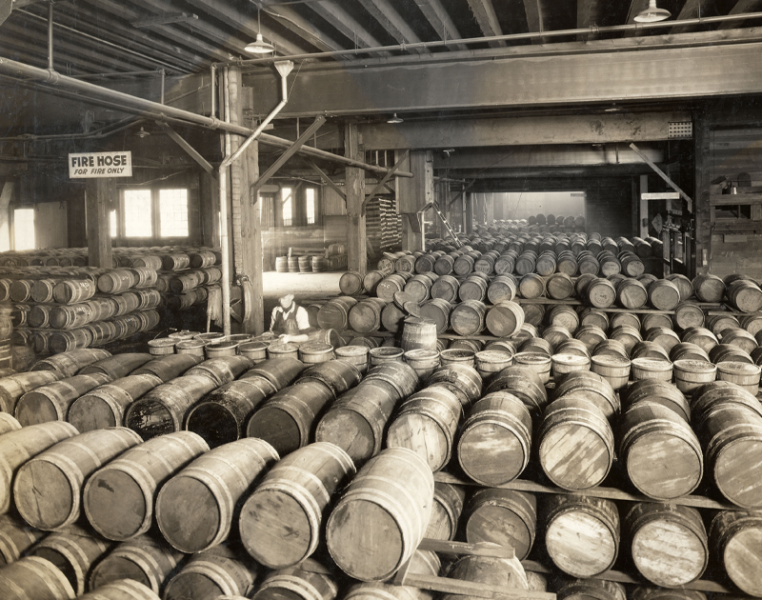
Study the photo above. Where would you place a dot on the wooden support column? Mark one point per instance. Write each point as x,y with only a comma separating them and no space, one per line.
490,208
5,215
643,221
469,200
99,194
251,236
415,193
357,252
210,210
479,212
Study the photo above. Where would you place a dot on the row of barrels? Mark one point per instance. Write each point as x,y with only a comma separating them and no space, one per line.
410,479
168,258
310,263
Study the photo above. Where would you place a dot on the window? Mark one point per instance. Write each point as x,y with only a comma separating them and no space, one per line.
173,213
23,229
112,223
286,195
310,201
138,217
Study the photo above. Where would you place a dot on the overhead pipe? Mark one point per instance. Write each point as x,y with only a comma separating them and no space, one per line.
284,68
50,36
154,110
532,35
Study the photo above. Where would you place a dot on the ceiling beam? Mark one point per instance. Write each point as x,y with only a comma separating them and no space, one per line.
589,13
535,17
740,7
392,21
171,32
552,172
635,75
346,24
522,131
440,20
295,23
245,24
487,19
21,51
692,9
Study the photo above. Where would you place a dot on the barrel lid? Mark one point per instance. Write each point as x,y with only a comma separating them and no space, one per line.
738,368
652,364
610,360
531,358
401,298
494,356
570,359
412,308
421,354
695,366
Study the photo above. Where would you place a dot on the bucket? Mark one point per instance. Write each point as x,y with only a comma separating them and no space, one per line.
563,364
457,356
161,346
256,351
496,439
490,362
581,534
650,368
742,374
692,374
424,362
379,356
614,369
300,485
216,479
282,350
390,501
355,355
315,352
539,363
220,349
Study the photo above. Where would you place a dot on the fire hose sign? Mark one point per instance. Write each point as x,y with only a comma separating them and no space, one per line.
100,164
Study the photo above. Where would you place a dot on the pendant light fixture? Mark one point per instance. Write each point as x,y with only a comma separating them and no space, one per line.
395,120
260,46
652,14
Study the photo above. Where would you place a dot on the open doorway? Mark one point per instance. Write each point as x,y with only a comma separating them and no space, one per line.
522,205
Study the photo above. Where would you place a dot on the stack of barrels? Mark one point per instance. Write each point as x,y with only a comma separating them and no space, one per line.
333,258
185,278
273,475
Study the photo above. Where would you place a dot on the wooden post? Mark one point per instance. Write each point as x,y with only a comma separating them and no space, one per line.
251,234
99,193
5,215
469,202
357,252
210,210
643,207
415,193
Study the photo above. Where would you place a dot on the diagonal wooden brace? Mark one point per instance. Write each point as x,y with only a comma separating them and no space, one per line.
328,180
290,151
664,176
192,152
461,193
380,185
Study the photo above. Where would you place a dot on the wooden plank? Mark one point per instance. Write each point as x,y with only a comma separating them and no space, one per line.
294,22
468,588
464,548
357,251
346,24
327,180
393,22
486,17
692,9
664,176
210,210
535,14
440,21
100,193
740,7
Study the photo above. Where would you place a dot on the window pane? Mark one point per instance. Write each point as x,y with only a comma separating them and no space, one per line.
173,213
311,202
112,222
137,213
23,228
288,210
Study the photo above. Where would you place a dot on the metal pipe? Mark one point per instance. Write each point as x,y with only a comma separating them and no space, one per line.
154,110
50,36
231,158
163,73
594,29
119,74
213,86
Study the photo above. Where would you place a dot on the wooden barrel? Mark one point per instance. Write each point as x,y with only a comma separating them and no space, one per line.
467,318
591,387
735,538
162,410
74,551
371,280
14,386
650,593
68,364
119,498
51,402
700,336
423,362
221,370
356,355
651,368
8,423
503,573
307,581
210,574
280,522
48,487
692,374
18,447
311,353
334,314
143,560
436,310
390,502
599,293
426,424
216,481
490,362
422,563
576,444
445,513
688,351
601,589
732,438
390,284
119,365
524,383
73,291
338,376
663,295
168,367
16,537
445,288
418,287
581,534
365,316
668,543
661,453
461,379
708,288
419,333
496,439
745,295
504,319
503,517
742,374
37,578
104,406
631,294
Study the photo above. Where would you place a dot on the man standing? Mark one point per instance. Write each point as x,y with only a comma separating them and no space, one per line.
290,321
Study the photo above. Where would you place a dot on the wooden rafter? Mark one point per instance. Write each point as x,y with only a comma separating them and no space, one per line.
190,150
535,14
391,20
740,7
294,22
485,15
589,13
332,12
440,20
326,179
692,9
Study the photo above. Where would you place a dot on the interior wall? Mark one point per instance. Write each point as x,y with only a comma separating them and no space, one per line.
50,225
